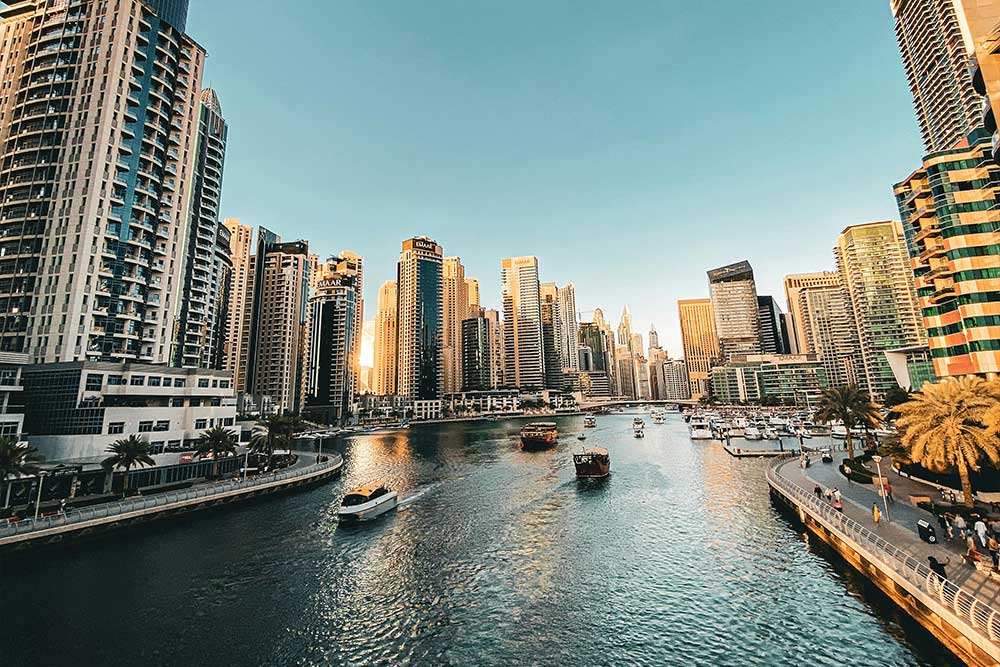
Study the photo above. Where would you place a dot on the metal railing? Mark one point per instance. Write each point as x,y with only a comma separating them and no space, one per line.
954,600
139,503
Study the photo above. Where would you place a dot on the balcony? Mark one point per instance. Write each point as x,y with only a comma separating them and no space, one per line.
932,250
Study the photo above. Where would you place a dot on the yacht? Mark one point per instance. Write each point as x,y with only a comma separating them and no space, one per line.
770,434
367,502
699,429
590,421
637,422
658,418
638,430
738,427
752,433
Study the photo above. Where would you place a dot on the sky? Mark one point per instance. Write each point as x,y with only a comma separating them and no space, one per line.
629,146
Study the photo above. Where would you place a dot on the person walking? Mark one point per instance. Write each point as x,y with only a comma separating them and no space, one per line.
937,567
876,514
980,528
818,491
970,543
949,529
836,494
887,488
994,548
960,525
828,492
847,473
839,506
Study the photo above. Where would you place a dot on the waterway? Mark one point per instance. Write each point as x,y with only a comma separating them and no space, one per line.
496,557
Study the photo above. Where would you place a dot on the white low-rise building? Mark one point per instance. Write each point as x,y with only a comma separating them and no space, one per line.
75,410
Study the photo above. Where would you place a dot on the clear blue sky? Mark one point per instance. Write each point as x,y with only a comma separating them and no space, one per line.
630,146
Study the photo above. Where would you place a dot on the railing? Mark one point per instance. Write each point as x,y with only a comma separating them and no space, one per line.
140,503
954,600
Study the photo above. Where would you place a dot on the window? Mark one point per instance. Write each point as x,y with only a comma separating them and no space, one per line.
154,381
115,380
179,382
203,382
177,402
162,425
215,384
200,424
94,381
228,421
145,427
115,428
137,380
224,384
166,382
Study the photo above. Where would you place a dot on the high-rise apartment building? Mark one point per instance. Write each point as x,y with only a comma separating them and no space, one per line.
830,333
207,265
654,337
99,110
551,335
385,344
280,339
476,354
496,346
522,314
935,43
773,330
569,329
472,296
675,383
734,304
875,272
334,340
455,307
794,284
700,342
419,370
237,323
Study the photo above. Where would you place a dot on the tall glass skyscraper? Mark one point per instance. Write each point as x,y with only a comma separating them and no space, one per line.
522,313
734,304
421,320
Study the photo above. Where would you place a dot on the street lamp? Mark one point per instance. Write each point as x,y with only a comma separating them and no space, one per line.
38,499
877,459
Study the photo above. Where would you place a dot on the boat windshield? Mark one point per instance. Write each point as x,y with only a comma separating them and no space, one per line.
354,499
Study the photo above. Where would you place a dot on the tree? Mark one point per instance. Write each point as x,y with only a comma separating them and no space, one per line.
15,460
893,397
851,407
219,442
128,453
271,431
950,425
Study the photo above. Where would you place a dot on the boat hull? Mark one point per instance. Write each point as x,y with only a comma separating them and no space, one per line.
591,467
370,510
531,443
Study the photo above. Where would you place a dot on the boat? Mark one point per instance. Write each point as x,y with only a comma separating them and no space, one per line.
802,433
639,430
752,433
366,502
699,428
770,434
838,432
539,435
592,463
589,421
738,427
638,422
658,418
581,437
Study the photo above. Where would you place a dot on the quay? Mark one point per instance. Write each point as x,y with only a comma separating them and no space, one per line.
740,452
961,611
74,524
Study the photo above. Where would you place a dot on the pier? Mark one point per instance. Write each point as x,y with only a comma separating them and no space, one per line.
962,617
87,521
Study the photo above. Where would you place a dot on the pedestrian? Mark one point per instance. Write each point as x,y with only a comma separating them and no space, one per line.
829,495
994,548
937,567
876,514
839,506
62,506
887,488
836,494
847,473
818,491
970,543
960,525
980,529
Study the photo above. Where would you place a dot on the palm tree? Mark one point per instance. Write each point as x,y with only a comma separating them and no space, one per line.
268,432
127,453
15,460
950,425
219,442
850,406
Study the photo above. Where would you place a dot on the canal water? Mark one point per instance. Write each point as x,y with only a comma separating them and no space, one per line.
497,557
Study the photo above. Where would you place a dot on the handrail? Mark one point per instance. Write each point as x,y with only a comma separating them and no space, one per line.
954,599
139,503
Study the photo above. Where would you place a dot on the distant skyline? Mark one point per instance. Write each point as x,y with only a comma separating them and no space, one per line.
631,152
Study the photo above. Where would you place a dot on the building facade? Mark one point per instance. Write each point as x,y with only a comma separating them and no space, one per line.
875,272
455,306
830,333
385,344
477,354
569,329
522,312
794,284
419,369
551,335
472,297
700,342
734,304
334,341
237,323
773,330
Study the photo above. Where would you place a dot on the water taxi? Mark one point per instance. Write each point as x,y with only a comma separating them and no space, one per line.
592,463
539,435
638,430
589,421
367,502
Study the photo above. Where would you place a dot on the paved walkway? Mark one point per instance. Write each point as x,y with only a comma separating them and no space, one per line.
901,529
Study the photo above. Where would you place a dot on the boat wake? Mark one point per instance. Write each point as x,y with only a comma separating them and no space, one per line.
413,496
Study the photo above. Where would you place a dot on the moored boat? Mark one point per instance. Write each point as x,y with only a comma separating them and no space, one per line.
539,435
592,463
367,502
752,433
699,429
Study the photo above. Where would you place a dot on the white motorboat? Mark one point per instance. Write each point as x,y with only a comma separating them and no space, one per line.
367,502
738,427
752,433
700,429
802,433
638,422
658,418
638,430
838,432
770,434
589,421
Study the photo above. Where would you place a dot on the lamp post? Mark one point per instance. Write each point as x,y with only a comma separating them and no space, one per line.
877,459
38,499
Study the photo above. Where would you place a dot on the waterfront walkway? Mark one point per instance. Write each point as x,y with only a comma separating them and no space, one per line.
901,529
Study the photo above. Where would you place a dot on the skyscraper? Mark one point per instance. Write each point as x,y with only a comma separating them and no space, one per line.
734,303
522,313
237,338
569,330
935,44
472,296
384,371
654,338
496,347
794,284
476,354
205,269
700,341
333,341
831,333
874,269
455,305
551,335
419,370
98,125
773,332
